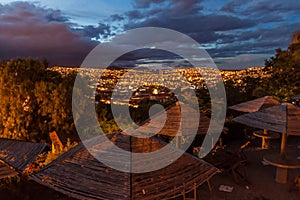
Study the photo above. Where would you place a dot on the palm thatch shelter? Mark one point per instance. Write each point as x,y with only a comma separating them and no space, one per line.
6,171
15,156
172,125
79,175
284,118
256,104
179,120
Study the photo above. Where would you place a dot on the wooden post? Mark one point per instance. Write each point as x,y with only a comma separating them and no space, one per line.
177,141
57,145
221,142
209,186
281,175
195,191
183,193
283,145
264,141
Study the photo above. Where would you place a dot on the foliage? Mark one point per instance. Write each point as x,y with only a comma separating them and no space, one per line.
284,68
33,101
50,156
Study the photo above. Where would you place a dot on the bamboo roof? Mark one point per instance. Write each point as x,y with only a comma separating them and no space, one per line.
284,118
6,171
256,104
79,175
19,154
177,122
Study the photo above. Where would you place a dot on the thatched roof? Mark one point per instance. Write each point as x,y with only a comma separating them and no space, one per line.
6,171
19,154
282,118
177,121
256,104
79,175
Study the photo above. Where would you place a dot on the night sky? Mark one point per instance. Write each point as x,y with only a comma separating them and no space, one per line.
236,33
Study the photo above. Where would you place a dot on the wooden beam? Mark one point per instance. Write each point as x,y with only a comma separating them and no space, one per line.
283,145
209,186
281,175
195,191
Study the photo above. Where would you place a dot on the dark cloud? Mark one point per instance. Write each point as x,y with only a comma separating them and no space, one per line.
117,17
29,30
103,30
146,53
185,16
177,6
145,3
266,6
56,16
135,15
187,6
200,27
239,27
231,6
267,10
264,40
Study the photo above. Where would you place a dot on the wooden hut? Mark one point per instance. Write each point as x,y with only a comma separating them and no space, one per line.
256,104
283,118
173,124
6,171
179,120
79,175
